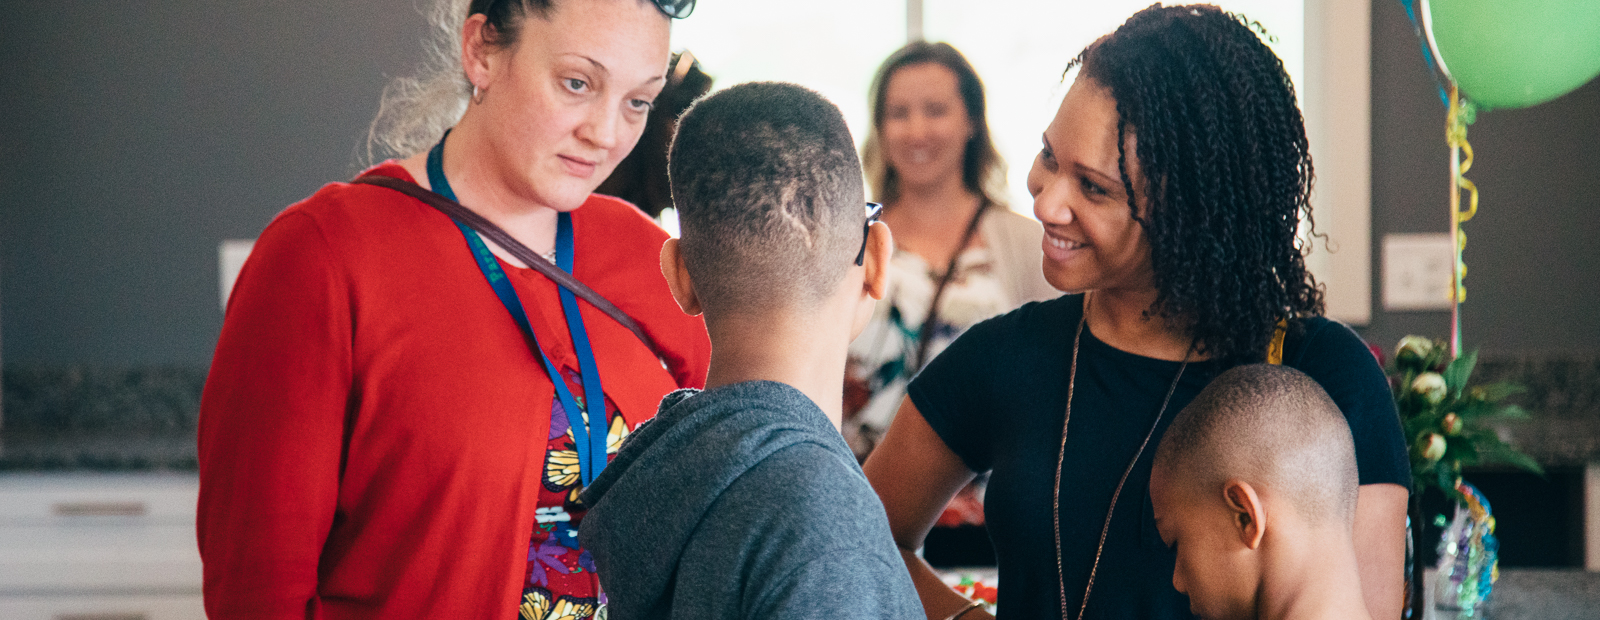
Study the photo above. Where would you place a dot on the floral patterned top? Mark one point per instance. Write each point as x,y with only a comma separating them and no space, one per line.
997,272
561,582
882,358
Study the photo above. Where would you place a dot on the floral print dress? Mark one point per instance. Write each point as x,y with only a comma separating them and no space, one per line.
882,359
560,579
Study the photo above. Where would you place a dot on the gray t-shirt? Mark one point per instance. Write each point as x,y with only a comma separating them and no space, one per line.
742,502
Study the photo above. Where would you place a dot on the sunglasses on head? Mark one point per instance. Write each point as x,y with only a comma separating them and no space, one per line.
874,210
676,9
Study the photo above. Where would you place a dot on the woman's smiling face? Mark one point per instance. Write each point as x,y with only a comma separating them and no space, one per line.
925,124
1091,240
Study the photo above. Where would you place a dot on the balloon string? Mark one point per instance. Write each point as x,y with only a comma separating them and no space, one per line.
1461,115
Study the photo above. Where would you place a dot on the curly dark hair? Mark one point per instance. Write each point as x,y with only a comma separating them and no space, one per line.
1222,147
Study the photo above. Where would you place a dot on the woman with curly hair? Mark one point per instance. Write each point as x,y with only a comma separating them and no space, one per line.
1171,185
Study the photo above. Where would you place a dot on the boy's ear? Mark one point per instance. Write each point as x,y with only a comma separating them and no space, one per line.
1248,514
875,282
678,278
880,247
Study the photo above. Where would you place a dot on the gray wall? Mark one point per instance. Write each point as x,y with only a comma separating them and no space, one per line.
1533,251
135,136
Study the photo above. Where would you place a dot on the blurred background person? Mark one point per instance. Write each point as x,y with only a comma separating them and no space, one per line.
961,255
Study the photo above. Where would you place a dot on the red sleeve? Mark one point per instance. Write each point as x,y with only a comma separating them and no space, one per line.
691,359
271,426
631,278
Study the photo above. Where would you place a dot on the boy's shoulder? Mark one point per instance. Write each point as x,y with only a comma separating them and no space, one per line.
741,501
809,525
813,482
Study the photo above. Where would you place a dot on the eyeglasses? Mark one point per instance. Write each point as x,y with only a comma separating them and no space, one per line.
676,9
874,210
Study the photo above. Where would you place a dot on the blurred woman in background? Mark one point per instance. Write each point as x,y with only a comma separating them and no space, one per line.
961,255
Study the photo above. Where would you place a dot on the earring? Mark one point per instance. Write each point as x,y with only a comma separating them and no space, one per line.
477,94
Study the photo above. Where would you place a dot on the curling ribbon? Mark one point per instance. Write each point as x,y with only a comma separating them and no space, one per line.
1462,113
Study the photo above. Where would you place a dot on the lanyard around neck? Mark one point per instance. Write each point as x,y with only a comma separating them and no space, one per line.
588,431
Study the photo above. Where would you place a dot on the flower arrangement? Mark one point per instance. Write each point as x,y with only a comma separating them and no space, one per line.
1446,420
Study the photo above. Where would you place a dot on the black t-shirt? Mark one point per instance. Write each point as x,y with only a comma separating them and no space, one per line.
997,397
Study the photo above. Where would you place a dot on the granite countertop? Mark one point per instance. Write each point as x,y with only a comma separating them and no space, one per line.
100,419
1564,399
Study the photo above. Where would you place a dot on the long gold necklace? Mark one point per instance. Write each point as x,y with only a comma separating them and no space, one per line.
1061,456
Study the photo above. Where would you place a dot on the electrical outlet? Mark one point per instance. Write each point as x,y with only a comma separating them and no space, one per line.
231,254
1417,271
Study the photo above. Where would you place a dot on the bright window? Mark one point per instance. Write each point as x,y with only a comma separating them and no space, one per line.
1019,48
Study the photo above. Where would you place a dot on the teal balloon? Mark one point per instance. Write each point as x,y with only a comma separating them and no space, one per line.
1517,53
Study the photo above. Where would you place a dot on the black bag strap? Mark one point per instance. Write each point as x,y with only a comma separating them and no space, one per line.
528,257
925,334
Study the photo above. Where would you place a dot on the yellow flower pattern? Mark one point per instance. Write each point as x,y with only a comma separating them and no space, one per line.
560,580
561,469
568,609
536,605
617,434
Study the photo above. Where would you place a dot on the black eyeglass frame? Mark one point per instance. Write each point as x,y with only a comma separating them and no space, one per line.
874,211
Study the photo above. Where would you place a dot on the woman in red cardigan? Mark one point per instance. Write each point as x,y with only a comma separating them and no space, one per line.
397,419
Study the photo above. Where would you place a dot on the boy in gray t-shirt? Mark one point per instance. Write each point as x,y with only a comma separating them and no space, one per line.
743,501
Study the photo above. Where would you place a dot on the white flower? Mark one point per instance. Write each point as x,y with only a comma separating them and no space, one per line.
554,514
1431,386
1412,351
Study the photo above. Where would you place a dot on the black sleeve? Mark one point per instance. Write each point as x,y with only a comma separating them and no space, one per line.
955,390
1338,359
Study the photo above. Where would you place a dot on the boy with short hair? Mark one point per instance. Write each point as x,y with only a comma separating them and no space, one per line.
1255,488
743,501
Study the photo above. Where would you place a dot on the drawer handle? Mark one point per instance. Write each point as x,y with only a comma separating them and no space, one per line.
103,616
99,509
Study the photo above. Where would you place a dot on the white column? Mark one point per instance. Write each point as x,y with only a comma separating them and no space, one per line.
1337,102
913,20
1591,517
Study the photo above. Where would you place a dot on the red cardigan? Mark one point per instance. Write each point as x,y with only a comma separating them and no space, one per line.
373,428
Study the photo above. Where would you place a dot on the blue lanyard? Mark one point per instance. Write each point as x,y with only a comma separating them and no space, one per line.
588,438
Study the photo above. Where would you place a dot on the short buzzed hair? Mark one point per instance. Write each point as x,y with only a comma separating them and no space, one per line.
769,194
1273,427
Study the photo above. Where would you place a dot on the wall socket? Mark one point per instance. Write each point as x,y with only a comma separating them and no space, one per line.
231,254
1417,271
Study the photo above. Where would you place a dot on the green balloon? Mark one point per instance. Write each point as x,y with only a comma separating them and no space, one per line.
1516,53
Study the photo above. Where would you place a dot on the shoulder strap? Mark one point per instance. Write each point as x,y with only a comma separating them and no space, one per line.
925,334
528,257
1275,348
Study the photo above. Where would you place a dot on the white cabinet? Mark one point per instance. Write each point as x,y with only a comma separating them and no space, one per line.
99,547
